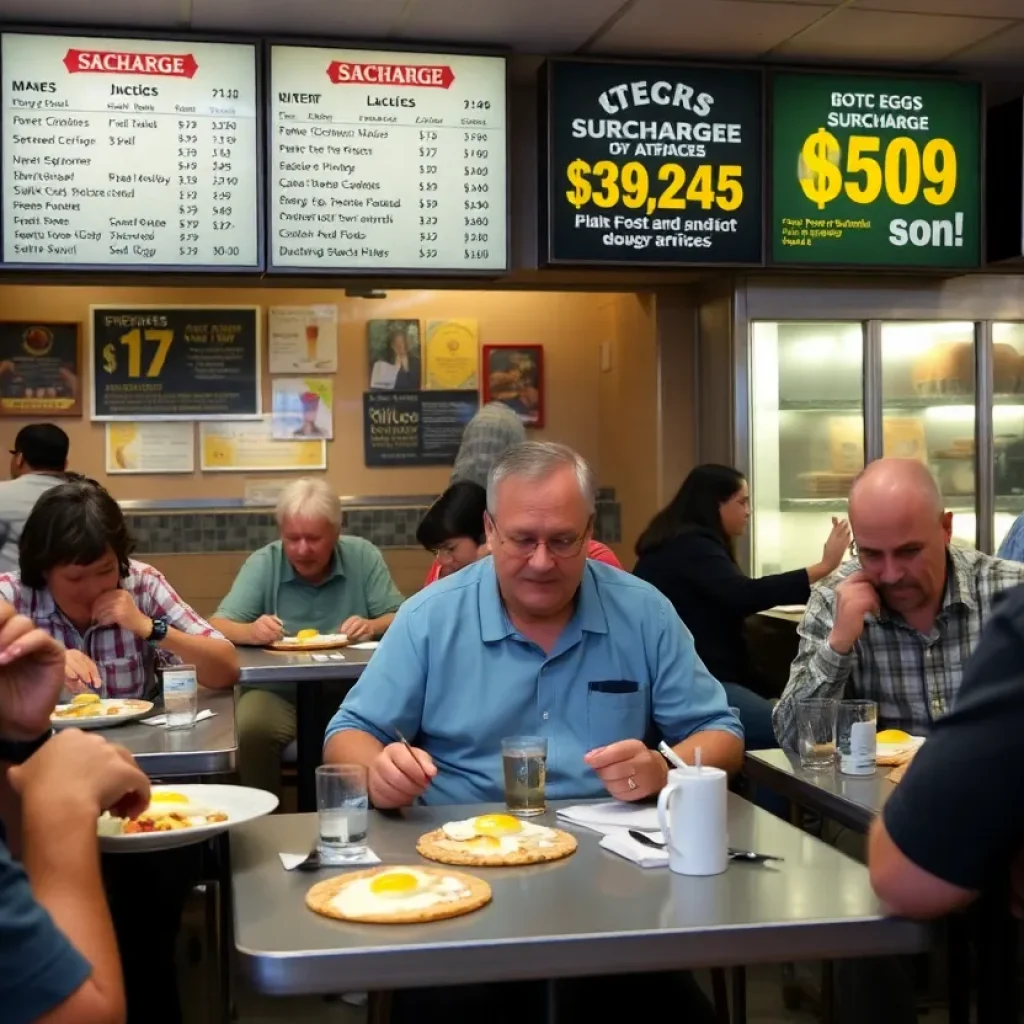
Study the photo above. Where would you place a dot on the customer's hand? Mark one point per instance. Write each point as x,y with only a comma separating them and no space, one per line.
357,629
267,629
855,597
118,608
31,676
81,674
628,769
837,545
398,776
82,770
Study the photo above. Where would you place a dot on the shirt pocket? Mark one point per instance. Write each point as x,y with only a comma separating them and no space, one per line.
124,677
615,716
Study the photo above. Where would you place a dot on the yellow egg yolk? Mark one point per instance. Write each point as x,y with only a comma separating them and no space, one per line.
168,798
395,883
893,736
486,842
85,698
306,634
496,825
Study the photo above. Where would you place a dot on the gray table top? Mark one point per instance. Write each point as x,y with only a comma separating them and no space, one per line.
262,666
208,749
590,914
853,801
783,615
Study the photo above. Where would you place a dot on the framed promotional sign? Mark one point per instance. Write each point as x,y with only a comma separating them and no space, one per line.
652,164
875,172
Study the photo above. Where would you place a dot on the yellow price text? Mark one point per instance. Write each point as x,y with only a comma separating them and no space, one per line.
900,170
606,184
132,341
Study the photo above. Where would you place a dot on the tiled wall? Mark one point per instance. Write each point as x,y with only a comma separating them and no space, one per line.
203,532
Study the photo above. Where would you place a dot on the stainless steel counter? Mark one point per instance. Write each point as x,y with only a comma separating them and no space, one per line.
593,913
208,749
851,800
260,666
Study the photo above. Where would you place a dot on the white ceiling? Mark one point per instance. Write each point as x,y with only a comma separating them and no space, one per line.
982,37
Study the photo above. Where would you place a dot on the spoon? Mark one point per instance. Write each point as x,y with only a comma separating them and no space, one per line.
745,855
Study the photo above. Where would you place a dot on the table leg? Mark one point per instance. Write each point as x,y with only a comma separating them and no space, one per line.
308,742
739,995
551,1001
996,943
225,926
958,969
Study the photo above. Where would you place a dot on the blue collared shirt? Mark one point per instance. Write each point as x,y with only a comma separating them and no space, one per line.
1012,547
456,677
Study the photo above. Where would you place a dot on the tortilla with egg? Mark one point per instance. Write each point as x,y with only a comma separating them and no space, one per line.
319,642
320,898
437,846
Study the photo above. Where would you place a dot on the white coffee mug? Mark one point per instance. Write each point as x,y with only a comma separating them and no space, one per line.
692,816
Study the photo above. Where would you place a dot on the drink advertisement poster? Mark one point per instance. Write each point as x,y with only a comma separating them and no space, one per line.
875,172
415,428
40,369
653,164
175,363
303,339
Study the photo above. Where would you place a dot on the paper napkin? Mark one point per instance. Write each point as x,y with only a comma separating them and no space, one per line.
162,719
290,861
626,846
611,817
366,645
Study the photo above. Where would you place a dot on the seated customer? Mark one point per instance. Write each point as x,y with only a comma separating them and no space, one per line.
537,639
312,578
453,529
897,624
689,553
119,619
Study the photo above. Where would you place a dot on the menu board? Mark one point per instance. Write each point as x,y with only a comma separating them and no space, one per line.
653,164
382,160
139,154
875,172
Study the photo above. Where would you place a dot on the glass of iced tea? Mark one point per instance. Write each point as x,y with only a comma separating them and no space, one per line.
312,339
524,759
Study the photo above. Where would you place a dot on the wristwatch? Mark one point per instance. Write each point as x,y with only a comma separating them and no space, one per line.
19,751
159,632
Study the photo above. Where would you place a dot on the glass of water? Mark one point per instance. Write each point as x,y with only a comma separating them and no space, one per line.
856,736
343,806
524,760
816,733
181,696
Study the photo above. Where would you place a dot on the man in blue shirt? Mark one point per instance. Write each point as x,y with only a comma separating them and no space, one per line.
534,640
58,955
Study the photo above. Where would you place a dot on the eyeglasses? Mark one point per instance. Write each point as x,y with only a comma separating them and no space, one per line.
557,547
445,552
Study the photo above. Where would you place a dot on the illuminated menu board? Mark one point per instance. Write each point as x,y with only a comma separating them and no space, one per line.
386,161
140,154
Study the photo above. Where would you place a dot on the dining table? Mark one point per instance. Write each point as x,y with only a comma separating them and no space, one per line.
307,671
592,914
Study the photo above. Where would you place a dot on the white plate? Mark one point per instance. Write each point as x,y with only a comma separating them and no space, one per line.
891,749
132,709
239,803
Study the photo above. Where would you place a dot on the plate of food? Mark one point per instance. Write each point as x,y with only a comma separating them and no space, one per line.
894,747
90,711
398,895
310,640
495,840
181,816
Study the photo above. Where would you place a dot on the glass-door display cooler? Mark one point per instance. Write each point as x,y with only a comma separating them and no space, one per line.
823,396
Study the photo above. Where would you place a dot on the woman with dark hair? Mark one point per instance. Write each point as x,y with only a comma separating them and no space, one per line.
688,553
453,528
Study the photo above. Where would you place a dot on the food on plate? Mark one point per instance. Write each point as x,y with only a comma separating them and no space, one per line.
896,775
89,705
398,895
895,747
894,736
495,839
167,811
311,638
85,698
307,634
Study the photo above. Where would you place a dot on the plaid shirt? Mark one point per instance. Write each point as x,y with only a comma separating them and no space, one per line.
913,677
126,663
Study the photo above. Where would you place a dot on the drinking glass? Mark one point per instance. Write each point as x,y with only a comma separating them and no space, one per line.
343,807
181,696
816,733
856,736
524,760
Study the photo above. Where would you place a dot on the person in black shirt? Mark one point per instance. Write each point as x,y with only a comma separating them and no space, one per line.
688,553
956,821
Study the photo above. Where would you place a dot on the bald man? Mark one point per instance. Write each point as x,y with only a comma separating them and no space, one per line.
896,624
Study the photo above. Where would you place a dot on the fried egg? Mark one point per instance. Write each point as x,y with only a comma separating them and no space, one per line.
894,736
167,810
397,891
497,834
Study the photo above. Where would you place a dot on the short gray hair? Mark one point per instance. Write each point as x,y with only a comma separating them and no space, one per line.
536,460
309,499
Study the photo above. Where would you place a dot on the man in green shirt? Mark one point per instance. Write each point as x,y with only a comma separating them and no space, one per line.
312,578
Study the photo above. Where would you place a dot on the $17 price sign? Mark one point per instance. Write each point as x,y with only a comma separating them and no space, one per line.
875,172
653,164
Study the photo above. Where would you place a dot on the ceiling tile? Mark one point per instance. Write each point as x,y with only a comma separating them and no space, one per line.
878,37
720,28
151,14
547,26
969,8
338,19
1002,49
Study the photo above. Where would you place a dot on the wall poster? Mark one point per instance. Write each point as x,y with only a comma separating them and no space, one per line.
453,355
249,446
514,376
393,348
40,369
302,339
415,428
303,408
150,447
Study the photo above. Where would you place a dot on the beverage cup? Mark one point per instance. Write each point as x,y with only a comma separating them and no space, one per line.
181,696
692,817
816,733
524,762
857,736
343,810
312,337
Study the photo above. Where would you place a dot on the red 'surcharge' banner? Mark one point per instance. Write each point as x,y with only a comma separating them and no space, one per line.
111,62
429,76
